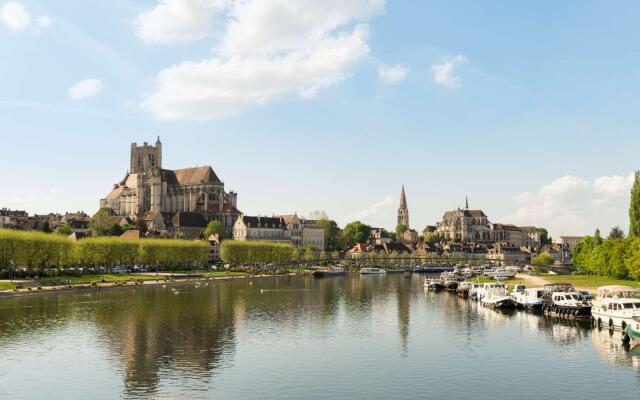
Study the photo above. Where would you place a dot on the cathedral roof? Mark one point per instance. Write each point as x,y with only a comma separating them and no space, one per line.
190,176
464,213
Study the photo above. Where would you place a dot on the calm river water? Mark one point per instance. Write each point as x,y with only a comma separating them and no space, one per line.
354,337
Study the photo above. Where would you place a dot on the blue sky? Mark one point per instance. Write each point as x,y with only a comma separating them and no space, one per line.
529,108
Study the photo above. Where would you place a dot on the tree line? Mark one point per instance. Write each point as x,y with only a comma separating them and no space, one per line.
39,251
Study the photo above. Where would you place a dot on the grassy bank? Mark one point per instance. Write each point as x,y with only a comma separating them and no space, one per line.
219,274
99,278
7,285
588,281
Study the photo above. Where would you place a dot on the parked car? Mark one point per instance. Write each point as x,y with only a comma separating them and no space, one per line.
119,271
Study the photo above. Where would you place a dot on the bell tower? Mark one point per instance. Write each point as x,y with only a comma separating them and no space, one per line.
403,210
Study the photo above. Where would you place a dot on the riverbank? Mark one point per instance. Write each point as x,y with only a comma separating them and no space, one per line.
150,279
581,282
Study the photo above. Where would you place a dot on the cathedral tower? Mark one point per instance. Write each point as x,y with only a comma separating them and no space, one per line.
145,158
403,210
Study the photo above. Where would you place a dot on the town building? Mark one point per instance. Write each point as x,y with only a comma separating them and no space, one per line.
569,242
155,195
473,226
280,228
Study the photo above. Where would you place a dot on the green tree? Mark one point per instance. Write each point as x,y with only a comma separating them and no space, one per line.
101,223
309,255
46,227
634,207
215,227
332,235
431,238
597,235
401,229
115,230
356,232
616,233
545,239
543,259
64,230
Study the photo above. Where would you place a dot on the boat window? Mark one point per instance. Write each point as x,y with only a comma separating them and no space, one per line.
628,305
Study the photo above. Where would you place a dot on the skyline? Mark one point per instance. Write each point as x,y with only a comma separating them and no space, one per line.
530,115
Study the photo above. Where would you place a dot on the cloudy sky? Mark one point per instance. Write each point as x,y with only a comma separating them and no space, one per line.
529,108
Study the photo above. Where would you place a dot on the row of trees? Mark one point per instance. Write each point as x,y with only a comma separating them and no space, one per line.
38,251
250,252
618,257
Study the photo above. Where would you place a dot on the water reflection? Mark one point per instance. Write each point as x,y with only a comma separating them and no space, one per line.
207,338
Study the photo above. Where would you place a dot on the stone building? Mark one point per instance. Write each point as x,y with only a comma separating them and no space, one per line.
155,195
280,228
466,225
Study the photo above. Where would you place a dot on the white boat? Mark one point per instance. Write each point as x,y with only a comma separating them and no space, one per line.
372,271
562,300
433,284
449,280
529,298
501,272
483,291
616,306
497,297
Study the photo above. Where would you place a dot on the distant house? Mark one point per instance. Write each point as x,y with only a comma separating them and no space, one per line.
214,253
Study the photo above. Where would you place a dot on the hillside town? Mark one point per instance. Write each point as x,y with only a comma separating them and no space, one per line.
153,202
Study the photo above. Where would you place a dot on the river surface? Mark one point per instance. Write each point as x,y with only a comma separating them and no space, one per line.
353,337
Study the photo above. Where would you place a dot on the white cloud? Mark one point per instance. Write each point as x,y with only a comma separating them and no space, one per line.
573,205
86,89
173,21
43,21
376,214
268,50
443,72
392,74
16,18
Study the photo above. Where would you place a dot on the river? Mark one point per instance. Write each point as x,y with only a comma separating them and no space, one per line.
353,337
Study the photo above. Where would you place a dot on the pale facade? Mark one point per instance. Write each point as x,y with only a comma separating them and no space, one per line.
281,228
569,242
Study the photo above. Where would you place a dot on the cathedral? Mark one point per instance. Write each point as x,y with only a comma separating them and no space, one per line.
160,197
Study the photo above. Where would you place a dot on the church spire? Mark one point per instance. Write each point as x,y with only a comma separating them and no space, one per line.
466,202
403,210
403,199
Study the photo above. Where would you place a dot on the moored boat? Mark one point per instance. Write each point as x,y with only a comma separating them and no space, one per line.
529,298
330,271
372,271
433,284
497,297
563,301
616,306
633,330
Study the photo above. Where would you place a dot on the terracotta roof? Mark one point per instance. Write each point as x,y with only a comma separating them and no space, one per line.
464,213
131,234
190,176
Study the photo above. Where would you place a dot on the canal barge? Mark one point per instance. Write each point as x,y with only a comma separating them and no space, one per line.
616,306
561,300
